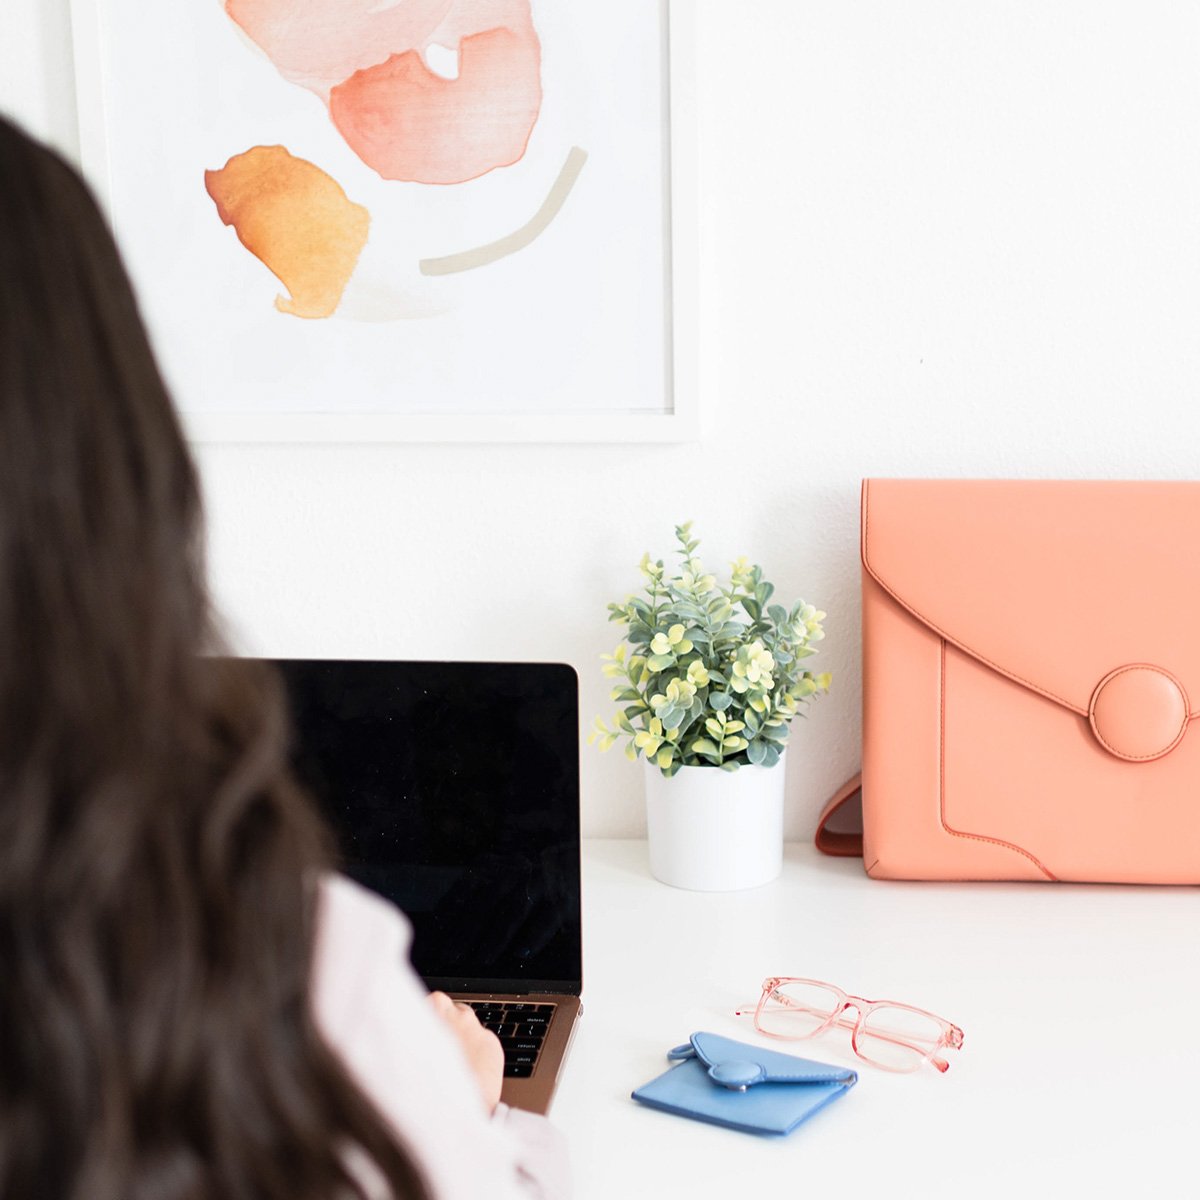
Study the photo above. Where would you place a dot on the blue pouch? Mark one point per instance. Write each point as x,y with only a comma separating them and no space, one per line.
744,1087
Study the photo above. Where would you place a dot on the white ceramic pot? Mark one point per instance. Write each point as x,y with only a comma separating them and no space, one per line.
715,831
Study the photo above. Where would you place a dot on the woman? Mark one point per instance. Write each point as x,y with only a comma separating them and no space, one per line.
191,1006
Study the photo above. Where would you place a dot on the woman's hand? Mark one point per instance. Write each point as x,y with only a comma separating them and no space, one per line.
482,1048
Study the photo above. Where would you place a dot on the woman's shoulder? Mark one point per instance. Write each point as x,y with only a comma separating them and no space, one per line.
357,932
347,909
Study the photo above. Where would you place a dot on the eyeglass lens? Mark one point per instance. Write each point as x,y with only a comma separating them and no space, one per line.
898,1038
797,1010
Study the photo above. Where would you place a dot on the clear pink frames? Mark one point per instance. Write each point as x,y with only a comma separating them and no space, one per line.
896,1037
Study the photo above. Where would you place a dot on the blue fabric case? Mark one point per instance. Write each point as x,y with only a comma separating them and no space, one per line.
744,1087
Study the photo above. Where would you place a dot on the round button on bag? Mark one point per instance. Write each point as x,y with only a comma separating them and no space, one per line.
1139,712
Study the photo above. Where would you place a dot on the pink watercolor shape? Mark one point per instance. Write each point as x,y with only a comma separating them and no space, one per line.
426,91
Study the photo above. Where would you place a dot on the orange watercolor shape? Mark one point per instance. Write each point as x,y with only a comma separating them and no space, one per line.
296,220
369,63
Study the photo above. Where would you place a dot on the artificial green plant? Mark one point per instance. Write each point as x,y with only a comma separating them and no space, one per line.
708,675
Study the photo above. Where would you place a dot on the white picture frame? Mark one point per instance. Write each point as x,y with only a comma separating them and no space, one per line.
678,419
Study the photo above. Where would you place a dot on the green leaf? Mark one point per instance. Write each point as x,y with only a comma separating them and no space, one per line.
729,766
660,662
778,614
756,752
714,727
703,746
763,592
752,608
719,701
628,694
771,757
670,716
775,733
717,678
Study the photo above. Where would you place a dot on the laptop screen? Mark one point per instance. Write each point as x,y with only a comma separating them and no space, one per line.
453,789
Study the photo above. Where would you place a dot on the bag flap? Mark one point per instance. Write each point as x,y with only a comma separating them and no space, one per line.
1056,585
737,1065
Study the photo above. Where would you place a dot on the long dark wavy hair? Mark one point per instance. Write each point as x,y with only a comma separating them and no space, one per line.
157,862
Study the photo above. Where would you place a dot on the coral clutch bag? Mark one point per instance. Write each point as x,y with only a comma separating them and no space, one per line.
1030,650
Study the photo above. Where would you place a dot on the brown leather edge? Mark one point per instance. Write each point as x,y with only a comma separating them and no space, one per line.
840,845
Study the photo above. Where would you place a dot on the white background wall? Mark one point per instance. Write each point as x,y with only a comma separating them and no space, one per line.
936,239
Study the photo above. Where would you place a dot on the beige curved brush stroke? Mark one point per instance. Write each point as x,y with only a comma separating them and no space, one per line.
481,256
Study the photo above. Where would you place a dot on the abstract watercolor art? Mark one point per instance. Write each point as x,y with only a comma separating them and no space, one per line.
443,207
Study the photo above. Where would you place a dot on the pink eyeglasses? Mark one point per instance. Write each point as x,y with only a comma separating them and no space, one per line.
896,1037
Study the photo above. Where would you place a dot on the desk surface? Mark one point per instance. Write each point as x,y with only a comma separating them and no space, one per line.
1078,1006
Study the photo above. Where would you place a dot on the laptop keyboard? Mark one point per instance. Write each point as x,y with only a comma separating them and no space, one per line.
521,1029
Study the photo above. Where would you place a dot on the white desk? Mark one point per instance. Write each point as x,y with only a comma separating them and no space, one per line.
1078,1075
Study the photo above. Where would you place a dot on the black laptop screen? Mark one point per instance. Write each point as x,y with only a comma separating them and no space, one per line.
453,789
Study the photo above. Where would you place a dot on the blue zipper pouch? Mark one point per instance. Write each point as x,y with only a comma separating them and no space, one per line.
744,1087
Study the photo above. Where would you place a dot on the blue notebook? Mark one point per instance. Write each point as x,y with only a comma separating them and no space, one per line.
744,1087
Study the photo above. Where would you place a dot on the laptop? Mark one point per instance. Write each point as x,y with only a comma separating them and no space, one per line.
453,789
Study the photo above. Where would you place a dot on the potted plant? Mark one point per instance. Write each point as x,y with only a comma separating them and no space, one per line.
709,676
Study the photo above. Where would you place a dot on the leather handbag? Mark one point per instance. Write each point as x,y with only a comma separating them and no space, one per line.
1029,653
741,1086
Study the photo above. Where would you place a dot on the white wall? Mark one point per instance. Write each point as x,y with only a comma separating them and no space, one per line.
936,239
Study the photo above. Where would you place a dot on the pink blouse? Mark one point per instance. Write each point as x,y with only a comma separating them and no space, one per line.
372,1009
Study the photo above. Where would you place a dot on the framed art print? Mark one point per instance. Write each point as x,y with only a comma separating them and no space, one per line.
405,220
